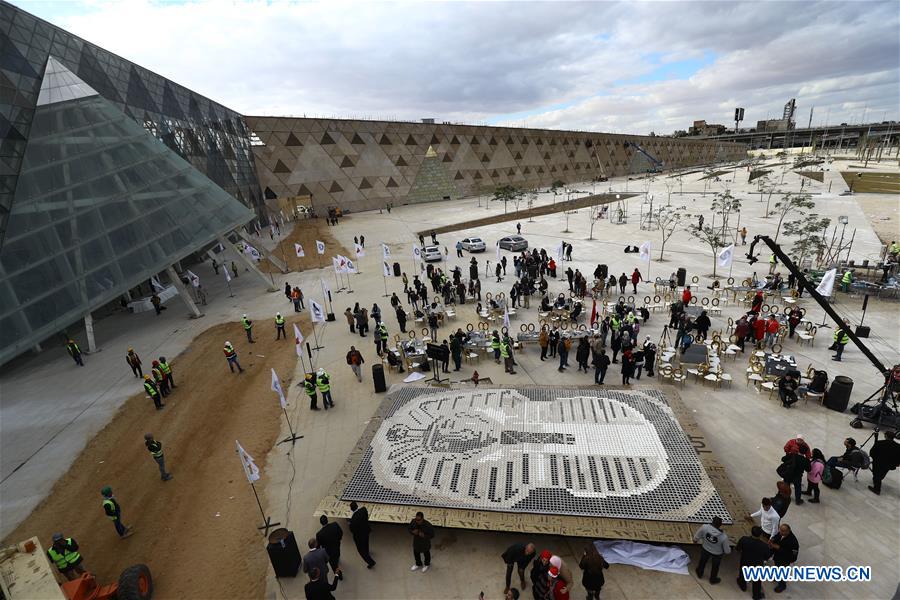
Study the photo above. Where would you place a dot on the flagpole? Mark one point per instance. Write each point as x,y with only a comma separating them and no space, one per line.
349,287
228,283
316,338
293,437
267,521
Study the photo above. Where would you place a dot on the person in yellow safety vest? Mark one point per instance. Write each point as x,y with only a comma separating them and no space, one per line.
231,357
64,554
630,318
840,340
134,361
75,352
381,338
615,323
772,263
894,250
279,327
506,353
323,382
495,346
114,512
159,379
309,386
846,280
156,451
167,372
248,328
153,392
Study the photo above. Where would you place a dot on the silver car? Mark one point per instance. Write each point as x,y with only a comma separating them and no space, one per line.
432,254
514,243
473,244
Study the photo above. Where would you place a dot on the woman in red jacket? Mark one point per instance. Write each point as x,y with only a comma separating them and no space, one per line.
759,331
686,295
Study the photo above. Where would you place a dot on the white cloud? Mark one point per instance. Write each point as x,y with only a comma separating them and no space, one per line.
466,61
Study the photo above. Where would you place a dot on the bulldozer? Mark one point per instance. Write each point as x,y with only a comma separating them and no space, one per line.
26,574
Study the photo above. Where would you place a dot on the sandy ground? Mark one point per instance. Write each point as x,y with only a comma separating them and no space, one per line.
883,214
306,233
186,526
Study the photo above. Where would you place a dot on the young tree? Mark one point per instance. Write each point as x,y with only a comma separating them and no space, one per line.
508,193
532,198
809,240
714,232
555,187
668,221
789,204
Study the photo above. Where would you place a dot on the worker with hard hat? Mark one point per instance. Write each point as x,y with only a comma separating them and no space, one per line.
64,554
231,357
248,328
134,361
153,391
75,352
166,369
159,379
323,382
279,327
309,386
114,512
156,451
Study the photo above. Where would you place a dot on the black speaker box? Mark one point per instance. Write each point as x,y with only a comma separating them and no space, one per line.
378,378
283,553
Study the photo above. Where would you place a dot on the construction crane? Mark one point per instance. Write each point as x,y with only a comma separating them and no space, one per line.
657,164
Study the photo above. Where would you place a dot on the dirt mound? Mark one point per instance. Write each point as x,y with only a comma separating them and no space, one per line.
306,233
197,532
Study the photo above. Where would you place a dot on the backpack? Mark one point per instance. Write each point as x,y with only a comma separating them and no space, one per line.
866,460
833,478
785,469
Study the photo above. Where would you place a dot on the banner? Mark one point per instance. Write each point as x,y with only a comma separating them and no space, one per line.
336,265
826,286
594,313
252,252
417,253
299,250
387,269
298,341
157,285
326,291
250,468
317,312
320,247
385,252
645,251
359,251
559,253
195,281
276,387
349,266
227,274
726,256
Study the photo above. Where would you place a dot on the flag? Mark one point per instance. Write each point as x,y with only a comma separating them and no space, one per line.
726,256
387,269
326,291
506,318
250,468
359,251
350,266
645,251
195,281
594,313
336,264
826,286
156,284
342,263
317,312
276,387
498,251
298,341
227,274
251,251
417,253
299,250
320,247
385,252
559,253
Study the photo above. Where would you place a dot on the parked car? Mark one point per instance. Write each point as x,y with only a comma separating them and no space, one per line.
473,244
514,243
432,254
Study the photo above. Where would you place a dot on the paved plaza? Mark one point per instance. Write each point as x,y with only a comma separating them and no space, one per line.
51,409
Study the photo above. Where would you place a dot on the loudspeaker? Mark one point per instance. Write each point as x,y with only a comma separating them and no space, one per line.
396,269
604,272
329,317
681,276
862,330
838,396
378,378
283,553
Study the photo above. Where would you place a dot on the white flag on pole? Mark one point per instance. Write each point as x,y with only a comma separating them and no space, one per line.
156,284
506,318
299,250
325,289
250,468
276,387
645,251
417,253
387,269
826,286
559,253
336,264
317,312
251,251
385,252
227,274
298,341
498,251
195,281
350,266
360,252
342,263
726,256
320,247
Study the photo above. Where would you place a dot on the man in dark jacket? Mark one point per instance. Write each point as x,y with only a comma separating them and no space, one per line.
329,537
422,532
519,555
316,559
754,551
885,457
360,528
785,549
318,587
601,364
540,582
795,465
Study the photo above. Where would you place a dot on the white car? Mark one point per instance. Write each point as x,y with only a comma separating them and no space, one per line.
432,254
473,244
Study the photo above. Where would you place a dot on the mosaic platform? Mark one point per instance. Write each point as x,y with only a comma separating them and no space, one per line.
579,461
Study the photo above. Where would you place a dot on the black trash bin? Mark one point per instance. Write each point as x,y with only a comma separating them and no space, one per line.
681,276
378,378
396,269
838,396
603,272
284,553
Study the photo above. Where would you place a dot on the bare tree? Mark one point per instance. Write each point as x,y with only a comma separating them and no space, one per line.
810,239
715,233
668,221
789,204
532,198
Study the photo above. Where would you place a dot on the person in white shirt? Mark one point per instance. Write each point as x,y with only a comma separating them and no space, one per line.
769,519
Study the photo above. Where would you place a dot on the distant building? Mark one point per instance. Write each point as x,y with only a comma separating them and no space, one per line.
774,125
704,128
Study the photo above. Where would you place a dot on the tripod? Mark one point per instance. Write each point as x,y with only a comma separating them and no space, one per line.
886,393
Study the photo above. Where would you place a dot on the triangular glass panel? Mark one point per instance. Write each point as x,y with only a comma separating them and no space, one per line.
60,84
292,140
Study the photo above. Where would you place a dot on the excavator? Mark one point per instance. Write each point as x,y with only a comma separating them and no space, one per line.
657,164
26,574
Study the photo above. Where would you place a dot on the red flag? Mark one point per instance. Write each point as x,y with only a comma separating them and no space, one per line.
594,313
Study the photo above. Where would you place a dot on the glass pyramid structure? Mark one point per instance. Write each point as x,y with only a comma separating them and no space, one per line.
100,206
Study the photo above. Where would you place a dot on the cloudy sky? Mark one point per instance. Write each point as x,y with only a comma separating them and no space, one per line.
628,67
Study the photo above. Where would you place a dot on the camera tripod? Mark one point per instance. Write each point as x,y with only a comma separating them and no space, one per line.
886,394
